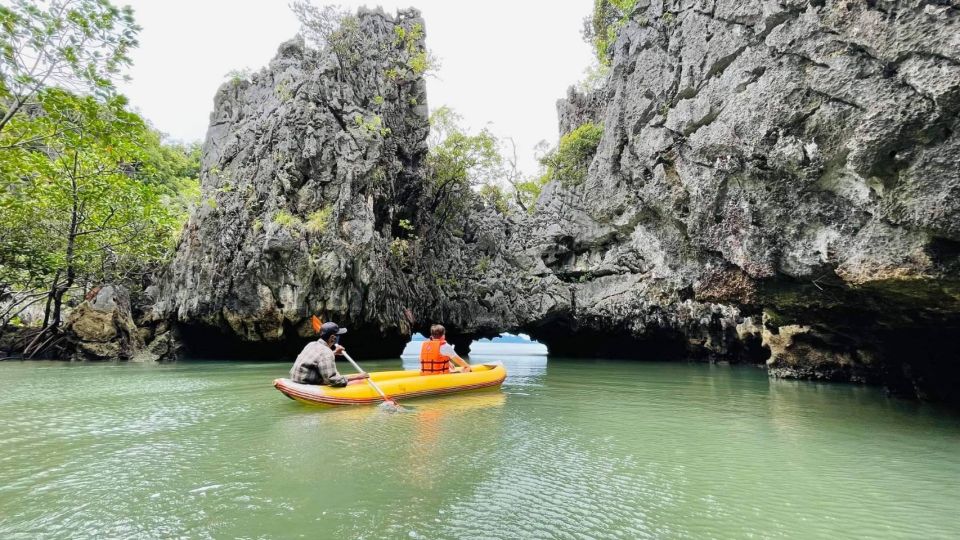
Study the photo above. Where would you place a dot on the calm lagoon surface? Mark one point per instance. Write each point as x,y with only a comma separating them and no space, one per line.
566,449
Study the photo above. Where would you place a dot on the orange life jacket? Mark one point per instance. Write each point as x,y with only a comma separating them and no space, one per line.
431,361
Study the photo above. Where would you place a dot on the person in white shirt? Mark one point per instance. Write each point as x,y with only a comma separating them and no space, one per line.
436,354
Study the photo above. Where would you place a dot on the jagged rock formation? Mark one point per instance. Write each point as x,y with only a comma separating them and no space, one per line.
307,169
787,159
102,327
800,158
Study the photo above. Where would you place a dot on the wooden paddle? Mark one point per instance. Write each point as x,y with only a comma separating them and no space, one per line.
386,400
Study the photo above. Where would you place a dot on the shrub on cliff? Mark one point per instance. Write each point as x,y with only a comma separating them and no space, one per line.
600,29
457,163
569,162
339,31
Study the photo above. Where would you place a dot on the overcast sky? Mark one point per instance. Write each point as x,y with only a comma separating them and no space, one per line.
502,62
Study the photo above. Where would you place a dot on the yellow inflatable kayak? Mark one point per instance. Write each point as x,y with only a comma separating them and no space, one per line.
396,385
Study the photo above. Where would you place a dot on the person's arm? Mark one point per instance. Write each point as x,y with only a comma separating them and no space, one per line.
328,370
447,350
353,376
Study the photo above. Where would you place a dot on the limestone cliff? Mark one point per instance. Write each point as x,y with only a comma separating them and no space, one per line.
793,157
776,180
306,170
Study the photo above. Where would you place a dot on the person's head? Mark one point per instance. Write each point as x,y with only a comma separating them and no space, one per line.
437,331
330,333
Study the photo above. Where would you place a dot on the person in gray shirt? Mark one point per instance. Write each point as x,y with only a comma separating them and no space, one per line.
316,364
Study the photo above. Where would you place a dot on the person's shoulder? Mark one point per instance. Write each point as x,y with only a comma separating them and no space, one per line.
315,347
322,349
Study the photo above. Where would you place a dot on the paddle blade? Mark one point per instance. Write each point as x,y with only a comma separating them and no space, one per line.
315,322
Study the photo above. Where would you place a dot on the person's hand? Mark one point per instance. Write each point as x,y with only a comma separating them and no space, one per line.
466,369
338,349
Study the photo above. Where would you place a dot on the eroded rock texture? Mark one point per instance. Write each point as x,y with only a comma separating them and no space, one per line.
799,158
306,169
795,161
102,326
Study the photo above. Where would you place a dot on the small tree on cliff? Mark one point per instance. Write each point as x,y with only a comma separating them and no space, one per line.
457,163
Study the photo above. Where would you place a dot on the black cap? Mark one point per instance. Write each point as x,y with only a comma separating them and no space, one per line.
330,328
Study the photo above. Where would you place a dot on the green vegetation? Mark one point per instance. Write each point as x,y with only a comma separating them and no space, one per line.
479,167
237,76
283,91
287,220
372,125
594,76
333,28
528,191
89,193
600,30
77,44
317,221
569,162
456,163
419,60
419,63
400,249
404,242
101,201
493,195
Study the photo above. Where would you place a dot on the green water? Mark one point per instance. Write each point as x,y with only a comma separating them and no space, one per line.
567,449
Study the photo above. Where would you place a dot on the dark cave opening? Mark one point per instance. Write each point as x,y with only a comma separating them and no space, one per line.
212,343
563,338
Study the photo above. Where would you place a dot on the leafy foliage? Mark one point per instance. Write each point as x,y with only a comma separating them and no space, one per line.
528,191
600,30
331,27
371,126
100,201
89,193
493,195
458,162
78,45
569,162
237,76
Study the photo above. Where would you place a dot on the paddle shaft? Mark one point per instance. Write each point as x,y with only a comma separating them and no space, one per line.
369,380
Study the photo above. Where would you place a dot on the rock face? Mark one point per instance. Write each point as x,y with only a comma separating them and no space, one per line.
307,169
790,157
777,181
102,327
